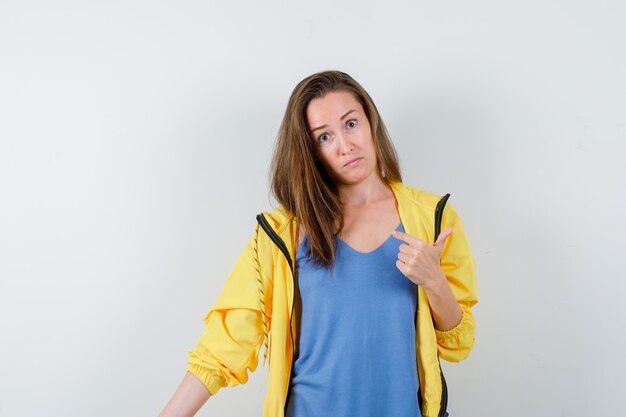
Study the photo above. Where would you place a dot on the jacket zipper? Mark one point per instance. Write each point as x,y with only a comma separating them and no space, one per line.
283,248
439,214
444,386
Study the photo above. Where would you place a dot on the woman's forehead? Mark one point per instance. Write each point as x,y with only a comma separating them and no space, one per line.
332,107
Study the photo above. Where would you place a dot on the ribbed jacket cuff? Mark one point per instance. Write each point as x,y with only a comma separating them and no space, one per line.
452,335
211,379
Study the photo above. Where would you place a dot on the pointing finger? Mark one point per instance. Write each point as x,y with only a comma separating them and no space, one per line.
410,239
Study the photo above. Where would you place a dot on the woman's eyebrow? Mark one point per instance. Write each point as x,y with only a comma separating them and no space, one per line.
341,118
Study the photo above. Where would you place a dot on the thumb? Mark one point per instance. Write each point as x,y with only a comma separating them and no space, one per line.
441,239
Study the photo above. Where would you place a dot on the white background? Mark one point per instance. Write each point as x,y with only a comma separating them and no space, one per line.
135,143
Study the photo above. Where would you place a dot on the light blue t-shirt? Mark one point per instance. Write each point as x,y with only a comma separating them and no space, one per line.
357,337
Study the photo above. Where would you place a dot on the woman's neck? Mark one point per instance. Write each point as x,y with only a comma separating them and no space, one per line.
368,191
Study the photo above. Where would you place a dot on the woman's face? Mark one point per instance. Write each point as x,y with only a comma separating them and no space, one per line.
342,137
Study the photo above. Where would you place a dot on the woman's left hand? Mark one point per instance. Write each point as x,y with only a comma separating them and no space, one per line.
420,261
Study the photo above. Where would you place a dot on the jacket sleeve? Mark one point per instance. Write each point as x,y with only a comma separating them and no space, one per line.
457,263
237,324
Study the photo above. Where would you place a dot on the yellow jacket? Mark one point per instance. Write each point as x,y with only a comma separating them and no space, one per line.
259,297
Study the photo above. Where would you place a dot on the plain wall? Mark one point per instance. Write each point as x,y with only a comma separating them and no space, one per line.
135,140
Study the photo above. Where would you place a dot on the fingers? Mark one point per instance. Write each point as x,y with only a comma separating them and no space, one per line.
414,249
404,257
402,267
414,256
410,239
441,239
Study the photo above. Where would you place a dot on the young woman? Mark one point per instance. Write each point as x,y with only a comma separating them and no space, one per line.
361,292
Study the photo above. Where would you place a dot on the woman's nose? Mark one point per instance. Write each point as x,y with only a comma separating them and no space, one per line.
344,144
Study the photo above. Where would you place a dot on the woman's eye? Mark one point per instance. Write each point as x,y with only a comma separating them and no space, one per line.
323,138
351,123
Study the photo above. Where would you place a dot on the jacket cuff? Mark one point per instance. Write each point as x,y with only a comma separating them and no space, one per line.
452,336
211,379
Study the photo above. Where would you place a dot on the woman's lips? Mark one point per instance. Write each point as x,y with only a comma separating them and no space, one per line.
352,162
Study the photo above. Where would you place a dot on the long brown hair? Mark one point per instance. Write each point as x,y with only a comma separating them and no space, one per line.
300,183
